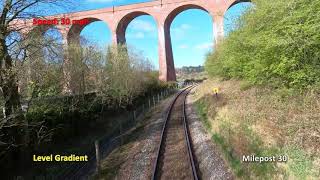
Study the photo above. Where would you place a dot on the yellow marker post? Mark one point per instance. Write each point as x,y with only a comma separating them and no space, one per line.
216,91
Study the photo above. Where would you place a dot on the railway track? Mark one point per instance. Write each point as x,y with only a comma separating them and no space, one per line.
175,158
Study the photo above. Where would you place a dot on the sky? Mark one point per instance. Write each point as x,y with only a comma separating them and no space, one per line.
191,32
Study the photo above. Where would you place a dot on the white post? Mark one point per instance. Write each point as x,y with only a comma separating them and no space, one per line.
96,143
4,112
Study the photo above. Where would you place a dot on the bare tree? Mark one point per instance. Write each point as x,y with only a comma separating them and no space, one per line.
14,125
11,11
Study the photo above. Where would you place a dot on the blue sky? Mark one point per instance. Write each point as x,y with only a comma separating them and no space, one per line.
191,32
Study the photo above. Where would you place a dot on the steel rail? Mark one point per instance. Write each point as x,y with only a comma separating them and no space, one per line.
190,154
187,136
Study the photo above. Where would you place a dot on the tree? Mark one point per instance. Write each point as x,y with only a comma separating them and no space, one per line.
11,11
275,44
16,131
86,61
126,74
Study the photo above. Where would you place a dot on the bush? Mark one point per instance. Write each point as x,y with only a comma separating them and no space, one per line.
276,43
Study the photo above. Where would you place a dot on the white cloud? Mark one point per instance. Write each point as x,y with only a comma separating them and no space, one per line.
183,46
177,33
138,35
180,31
204,46
142,25
185,26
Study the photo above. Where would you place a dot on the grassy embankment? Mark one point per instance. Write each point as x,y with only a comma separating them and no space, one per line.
269,102
245,121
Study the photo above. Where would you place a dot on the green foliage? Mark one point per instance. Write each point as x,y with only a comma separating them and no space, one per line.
228,137
299,162
67,116
202,110
126,74
234,161
276,43
191,69
244,85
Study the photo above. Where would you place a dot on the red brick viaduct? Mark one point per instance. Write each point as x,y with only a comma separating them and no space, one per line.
163,12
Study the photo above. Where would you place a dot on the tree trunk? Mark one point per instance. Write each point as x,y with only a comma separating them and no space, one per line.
11,97
8,83
17,125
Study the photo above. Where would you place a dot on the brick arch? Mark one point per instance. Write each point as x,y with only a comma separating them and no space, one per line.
73,35
38,34
230,5
120,16
169,74
170,17
122,25
233,3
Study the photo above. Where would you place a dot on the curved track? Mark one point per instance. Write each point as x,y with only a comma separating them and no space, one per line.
175,158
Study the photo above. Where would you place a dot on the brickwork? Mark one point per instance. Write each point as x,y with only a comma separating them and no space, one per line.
163,12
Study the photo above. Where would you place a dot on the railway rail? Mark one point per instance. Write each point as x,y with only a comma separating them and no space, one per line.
174,157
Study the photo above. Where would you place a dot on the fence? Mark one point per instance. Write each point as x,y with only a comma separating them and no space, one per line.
105,145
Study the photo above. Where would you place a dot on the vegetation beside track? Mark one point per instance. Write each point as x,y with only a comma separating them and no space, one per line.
246,121
62,123
268,72
275,44
135,142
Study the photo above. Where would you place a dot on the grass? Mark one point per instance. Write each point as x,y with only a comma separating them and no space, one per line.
234,162
247,120
302,163
202,112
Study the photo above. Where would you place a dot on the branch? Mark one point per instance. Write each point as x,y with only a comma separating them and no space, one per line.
21,10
